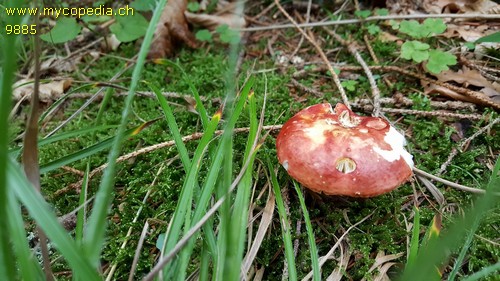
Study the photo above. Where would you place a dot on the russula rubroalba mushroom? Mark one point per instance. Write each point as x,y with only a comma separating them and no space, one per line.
337,152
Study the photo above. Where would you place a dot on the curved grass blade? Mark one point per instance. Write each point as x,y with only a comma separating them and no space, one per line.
186,195
7,71
91,150
94,233
64,136
172,124
29,268
44,216
239,215
285,225
435,251
483,272
199,104
310,235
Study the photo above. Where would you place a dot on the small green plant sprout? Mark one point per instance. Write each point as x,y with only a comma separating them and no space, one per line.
363,13
203,35
193,7
228,35
435,60
66,29
350,85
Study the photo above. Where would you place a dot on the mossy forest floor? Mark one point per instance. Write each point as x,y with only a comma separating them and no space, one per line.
160,175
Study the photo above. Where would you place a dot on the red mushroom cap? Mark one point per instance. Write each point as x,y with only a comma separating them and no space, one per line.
338,152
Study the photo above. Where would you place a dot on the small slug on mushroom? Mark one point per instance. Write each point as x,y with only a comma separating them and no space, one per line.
337,152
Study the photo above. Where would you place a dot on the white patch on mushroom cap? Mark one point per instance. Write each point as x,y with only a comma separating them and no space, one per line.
285,165
397,142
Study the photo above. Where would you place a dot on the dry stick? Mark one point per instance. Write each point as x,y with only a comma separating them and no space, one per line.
449,183
481,69
375,58
335,77
374,18
154,147
373,85
89,101
138,251
473,94
306,89
480,97
308,17
324,258
402,100
464,143
435,113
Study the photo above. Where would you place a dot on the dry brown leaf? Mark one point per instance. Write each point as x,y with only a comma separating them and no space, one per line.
467,32
458,6
468,77
465,77
172,29
211,22
225,14
49,92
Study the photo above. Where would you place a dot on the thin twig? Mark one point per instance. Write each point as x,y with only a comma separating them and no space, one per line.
322,54
138,251
477,96
375,58
155,147
449,183
308,17
373,85
374,18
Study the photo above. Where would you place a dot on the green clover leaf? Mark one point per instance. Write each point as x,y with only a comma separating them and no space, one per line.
433,27
363,13
129,28
228,35
203,35
410,27
65,29
415,50
193,7
381,12
350,85
439,61
373,29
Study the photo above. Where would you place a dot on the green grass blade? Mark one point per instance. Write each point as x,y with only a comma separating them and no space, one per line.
81,216
7,71
43,215
239,216
415,238
88,151
310,235
186,195
29,268
435,251
285,225
94,234
199,103
213,173
172,124
64,136
483,272
53,106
